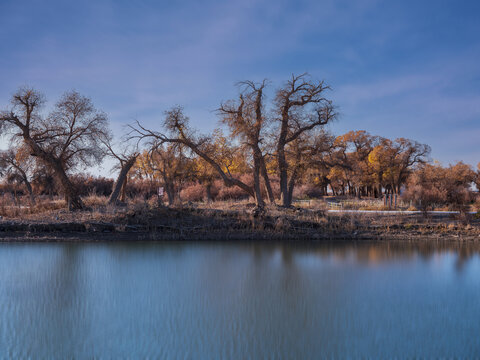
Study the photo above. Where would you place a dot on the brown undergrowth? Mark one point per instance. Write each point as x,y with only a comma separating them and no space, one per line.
230,220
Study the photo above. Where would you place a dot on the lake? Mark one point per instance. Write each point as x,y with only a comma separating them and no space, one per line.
239,300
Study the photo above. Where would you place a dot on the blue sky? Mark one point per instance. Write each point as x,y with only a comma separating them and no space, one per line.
396,68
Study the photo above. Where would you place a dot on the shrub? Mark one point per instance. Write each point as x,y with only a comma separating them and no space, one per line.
307,191
433,185
91,185
193,192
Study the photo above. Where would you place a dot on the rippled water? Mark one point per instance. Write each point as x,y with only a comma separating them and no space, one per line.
215,300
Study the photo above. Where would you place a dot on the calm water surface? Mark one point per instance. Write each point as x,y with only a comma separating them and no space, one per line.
215,300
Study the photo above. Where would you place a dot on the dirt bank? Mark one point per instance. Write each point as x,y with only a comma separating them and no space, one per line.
160,224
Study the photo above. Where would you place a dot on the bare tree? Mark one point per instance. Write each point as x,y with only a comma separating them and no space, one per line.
126,158
246,120
172,164
68,138
300,107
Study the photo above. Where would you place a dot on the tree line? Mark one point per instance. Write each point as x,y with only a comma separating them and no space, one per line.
263,149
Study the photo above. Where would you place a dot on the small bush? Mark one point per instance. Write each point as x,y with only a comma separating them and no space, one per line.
233,192
197,192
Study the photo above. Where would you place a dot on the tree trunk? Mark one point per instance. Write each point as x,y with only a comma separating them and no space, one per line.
256,184
291,185
30,191
123,197
268,185
71,193
73,198
27,185
208,190
282,169
169,189
264,172
121,180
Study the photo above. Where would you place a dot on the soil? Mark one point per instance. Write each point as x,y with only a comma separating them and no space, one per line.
196,224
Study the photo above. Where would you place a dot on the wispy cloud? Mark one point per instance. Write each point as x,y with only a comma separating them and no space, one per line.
396,68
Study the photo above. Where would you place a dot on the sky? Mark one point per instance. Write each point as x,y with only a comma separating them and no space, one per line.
396,68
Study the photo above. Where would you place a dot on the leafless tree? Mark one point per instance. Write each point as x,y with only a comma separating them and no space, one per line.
300,107
68,138
126,157
246,120
173,166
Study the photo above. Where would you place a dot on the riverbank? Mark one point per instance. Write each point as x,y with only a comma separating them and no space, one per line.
242,223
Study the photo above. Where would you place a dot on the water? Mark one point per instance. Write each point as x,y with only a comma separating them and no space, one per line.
242,301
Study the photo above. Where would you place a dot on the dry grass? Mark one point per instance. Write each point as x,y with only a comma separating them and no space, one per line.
310,220
8,209
94,200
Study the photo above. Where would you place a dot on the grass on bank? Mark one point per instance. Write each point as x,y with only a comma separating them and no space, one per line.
309,218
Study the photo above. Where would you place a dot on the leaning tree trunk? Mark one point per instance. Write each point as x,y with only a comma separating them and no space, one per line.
260,162
27,185
256,184
69,189
282,169
123,197
266,179
170,190
30,191
121,180
291,185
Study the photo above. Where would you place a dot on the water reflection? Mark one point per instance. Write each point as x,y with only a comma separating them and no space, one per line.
239,300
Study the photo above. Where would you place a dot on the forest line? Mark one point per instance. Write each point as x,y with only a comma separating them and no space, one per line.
266,150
